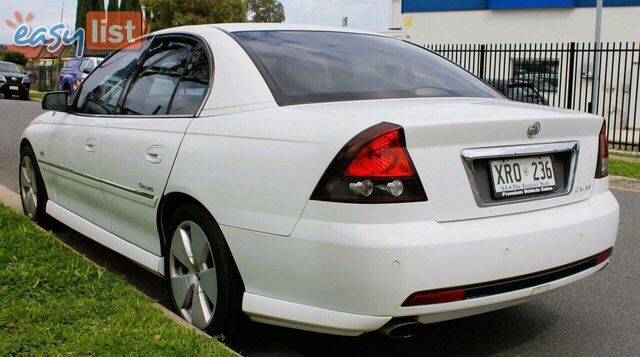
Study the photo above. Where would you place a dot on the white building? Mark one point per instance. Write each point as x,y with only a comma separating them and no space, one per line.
513,21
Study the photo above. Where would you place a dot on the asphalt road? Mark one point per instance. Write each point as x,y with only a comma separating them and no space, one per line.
597,316
15,115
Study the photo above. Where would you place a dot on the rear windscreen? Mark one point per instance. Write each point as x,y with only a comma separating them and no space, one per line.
315,66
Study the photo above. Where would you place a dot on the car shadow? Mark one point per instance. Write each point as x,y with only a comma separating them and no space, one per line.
480,335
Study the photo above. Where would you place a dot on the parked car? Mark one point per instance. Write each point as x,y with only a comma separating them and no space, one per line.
13,81
520,91
323,179
74,71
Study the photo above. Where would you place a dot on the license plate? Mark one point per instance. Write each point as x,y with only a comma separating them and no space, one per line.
522,176
14,88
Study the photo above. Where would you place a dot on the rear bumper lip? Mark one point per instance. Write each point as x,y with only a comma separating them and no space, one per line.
288,314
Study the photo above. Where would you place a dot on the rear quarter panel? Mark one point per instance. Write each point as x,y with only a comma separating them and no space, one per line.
256,170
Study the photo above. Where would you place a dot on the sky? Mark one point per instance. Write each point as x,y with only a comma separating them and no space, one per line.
372,15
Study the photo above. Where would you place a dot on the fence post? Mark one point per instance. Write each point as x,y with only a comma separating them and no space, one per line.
571,78
481,61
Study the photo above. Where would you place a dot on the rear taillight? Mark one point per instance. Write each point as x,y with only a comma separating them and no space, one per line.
374,167
602,165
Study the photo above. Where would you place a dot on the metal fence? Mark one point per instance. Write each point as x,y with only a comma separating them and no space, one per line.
43,78
563,74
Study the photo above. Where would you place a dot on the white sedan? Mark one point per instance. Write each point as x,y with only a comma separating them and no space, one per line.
322,179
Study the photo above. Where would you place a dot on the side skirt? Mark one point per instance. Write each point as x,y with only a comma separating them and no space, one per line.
147,260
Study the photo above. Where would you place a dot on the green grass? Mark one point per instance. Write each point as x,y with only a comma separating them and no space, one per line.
624,168
621,153
54,302
35,95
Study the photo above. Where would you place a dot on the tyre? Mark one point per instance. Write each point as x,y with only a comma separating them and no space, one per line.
24,96
7,95
33,192
203,281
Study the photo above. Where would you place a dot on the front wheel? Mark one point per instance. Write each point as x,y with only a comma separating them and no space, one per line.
7,95
202,278
24,96
33,193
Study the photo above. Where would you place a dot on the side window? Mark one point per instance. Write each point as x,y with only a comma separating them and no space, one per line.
90,64
102,89
173,79
83,64
194,84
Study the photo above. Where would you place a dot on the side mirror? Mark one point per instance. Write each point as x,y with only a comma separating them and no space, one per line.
87,70
56,101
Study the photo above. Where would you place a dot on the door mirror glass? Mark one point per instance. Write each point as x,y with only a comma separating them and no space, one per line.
56,101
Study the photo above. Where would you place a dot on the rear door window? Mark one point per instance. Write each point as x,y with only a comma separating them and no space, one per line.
173,79
194,85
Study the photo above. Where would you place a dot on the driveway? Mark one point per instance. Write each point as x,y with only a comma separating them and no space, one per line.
597,316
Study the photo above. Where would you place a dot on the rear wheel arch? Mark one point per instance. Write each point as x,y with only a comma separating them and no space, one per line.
168,205
24,143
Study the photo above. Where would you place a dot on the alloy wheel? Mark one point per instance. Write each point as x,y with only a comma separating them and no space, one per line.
29,187
193,274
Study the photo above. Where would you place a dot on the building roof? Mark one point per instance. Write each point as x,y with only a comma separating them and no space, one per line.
35,52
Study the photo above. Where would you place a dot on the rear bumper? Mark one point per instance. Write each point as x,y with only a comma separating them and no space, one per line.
336,276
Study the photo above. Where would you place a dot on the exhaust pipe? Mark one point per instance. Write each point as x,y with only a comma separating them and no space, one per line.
404,328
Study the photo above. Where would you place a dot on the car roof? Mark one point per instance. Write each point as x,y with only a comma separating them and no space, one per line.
239,27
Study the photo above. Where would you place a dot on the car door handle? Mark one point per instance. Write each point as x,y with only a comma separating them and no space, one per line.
90,144
155,154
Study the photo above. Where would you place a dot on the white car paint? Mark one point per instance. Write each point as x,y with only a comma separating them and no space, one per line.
315,265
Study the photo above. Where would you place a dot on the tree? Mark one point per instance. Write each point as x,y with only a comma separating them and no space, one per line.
81,14
85,6
98,5
131,5
113,5
266,10
15,57
170,13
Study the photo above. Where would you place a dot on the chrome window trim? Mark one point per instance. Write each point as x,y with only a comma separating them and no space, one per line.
150,38
470,155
